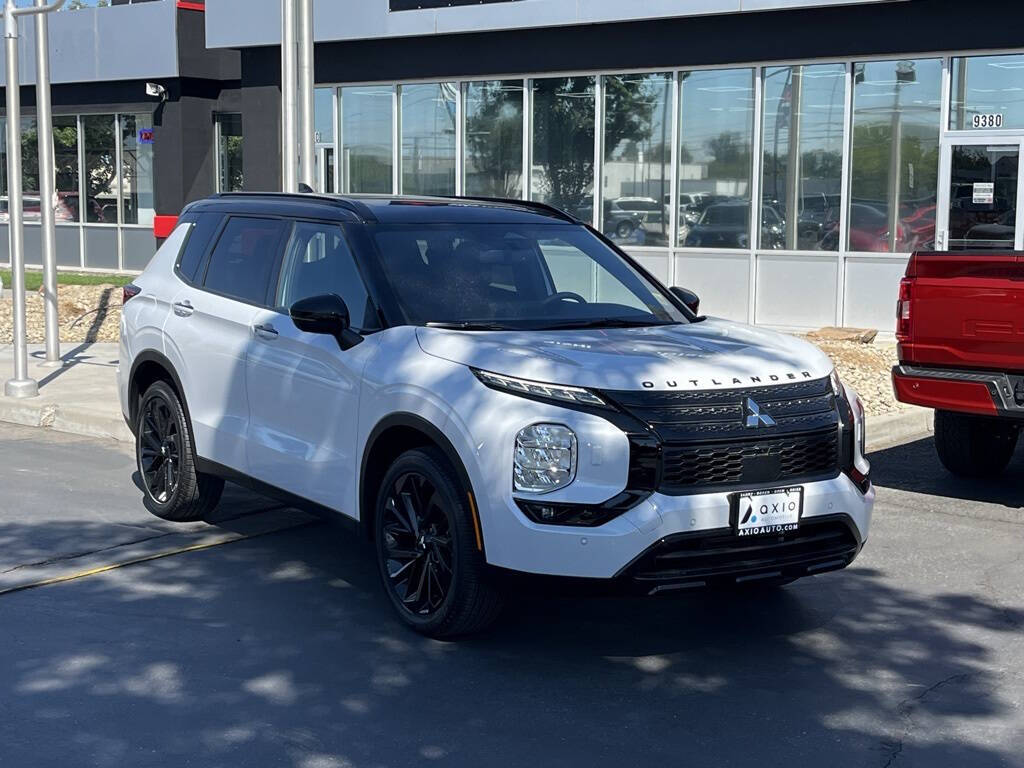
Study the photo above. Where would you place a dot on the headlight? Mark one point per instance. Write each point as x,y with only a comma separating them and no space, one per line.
539,389
545,458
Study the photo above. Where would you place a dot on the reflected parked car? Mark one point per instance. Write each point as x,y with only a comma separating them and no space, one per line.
655,217
727,225
619,223
869,230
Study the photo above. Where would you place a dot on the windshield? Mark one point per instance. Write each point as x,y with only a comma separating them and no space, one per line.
516,276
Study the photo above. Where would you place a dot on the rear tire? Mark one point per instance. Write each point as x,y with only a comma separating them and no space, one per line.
974,446
164,452
624,229
429,563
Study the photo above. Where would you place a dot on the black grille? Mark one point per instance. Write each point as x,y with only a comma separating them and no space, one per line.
708,445
690,560
784,460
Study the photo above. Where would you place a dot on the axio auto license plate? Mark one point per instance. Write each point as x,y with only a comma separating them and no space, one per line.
767,512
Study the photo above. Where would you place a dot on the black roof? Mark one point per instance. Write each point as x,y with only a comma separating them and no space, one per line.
386,208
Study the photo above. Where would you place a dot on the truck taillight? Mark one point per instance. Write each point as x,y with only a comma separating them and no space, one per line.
903,311
129,291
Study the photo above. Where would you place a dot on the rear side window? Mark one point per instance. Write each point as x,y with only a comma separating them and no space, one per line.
243,261
204,227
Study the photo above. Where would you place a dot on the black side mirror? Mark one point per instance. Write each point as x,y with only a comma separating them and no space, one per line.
326,314
689,298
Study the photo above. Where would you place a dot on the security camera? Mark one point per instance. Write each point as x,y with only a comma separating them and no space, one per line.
157,90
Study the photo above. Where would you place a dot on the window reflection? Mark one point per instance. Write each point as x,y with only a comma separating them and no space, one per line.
494,138
366,133
636,178
65,143
803,155
987,92
137,169
428,139
563,144
229,152
895,160
716,136
100,169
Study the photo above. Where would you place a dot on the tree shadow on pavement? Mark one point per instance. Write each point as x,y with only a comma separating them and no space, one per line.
915,467
282,651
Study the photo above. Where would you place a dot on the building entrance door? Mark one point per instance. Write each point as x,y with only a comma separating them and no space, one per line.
979,187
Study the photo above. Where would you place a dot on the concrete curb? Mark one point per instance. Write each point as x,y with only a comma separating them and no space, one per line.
75,421
894,428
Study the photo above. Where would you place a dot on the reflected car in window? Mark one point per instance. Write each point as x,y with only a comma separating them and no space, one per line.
727,225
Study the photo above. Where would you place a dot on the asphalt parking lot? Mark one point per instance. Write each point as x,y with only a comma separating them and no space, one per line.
280,650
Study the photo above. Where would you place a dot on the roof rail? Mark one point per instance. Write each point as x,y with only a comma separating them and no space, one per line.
541,207
342,202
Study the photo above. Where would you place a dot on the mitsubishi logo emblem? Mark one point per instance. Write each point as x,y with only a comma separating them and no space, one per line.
754,416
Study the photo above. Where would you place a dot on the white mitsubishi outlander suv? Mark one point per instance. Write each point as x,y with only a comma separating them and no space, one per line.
483,386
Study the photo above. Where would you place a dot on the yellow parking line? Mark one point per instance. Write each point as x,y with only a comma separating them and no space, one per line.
146,559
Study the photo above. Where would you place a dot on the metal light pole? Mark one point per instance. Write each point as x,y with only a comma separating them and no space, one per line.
21,385
47,182
307,129
289,148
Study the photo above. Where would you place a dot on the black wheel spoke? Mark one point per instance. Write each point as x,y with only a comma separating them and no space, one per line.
159,449
417,544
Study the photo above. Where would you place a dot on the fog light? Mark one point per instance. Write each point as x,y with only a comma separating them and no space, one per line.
545,458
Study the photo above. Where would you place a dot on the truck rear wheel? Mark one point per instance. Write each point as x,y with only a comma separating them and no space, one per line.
974,446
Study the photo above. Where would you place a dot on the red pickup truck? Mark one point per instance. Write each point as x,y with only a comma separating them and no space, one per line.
960,328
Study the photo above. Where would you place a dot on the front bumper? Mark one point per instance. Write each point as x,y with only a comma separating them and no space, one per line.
659,524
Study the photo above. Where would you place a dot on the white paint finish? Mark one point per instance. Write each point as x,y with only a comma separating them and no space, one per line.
367,19
722,280
872,286
303,411
796,291
124,42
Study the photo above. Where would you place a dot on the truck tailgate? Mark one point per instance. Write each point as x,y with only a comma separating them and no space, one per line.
967,310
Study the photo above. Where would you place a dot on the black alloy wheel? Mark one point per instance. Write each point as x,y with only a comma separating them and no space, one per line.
418,546
430,549
160,449
173,488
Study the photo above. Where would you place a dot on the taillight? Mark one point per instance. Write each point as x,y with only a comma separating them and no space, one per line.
129,291
903,310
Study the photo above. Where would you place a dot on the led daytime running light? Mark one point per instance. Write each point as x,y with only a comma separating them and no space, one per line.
540,389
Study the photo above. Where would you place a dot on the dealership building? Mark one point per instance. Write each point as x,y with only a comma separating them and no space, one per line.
782,158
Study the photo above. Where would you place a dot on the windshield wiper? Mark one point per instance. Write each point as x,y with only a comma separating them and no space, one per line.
604,322
471,326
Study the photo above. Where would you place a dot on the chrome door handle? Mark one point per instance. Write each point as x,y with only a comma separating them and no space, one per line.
265,331
183,308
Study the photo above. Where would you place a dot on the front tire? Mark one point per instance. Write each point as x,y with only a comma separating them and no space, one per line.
974,446
432,570
173,489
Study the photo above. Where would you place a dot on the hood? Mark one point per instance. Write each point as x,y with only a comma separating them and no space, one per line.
713,354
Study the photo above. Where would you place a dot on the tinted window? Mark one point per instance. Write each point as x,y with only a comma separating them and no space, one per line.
318,261
242,262
516,276
204,227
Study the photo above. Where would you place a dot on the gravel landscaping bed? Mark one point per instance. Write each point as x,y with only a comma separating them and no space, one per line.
93,312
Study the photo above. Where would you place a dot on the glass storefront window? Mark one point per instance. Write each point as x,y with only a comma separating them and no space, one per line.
31,202
366,135
895,155
65,143
636,178
137,169
229,152
494,138
99,140
986,93
323,115
563,144
801,177
428,139
715,156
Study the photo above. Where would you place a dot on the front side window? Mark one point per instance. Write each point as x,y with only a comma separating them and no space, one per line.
514,276
318,261
243,260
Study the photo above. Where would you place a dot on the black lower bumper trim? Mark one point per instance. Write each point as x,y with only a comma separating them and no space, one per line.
718,557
